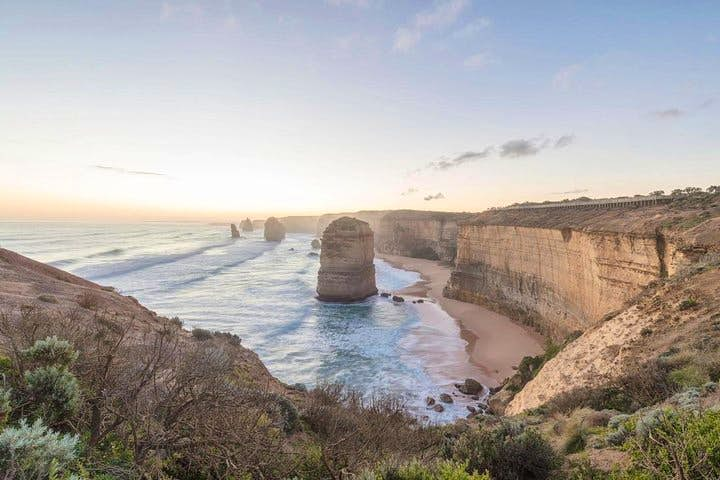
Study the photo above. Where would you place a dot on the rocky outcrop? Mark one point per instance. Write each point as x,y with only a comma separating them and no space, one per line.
346,270
274,230
411,233
315,244
246,225
234,233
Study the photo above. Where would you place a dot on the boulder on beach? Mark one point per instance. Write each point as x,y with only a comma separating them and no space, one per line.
429,401
446,398
470,387
315,243
385,295
347,272
234,233
246,225
438,408
274,230
397,298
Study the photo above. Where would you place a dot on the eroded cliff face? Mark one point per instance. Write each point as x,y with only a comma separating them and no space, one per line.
410,233
560,280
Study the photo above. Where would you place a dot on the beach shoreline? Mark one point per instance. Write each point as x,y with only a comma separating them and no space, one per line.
495,343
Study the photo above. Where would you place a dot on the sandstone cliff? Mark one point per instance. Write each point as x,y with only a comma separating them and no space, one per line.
346,270
274,230
300,224
410,233
564,270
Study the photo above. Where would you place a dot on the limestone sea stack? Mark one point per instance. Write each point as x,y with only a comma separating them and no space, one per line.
346,270
234,233
246,225
274,230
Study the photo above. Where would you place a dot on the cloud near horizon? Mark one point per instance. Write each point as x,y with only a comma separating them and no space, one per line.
128,172
437,196
569,192
409,191
466,157
442,15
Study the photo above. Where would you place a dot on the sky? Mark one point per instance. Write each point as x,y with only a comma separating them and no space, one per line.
222,109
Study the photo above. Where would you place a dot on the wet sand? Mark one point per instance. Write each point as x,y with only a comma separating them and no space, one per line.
494,342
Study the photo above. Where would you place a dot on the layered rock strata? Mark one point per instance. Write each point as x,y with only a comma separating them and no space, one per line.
564,271
274,230
346,270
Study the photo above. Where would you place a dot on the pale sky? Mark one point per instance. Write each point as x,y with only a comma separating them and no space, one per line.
222,109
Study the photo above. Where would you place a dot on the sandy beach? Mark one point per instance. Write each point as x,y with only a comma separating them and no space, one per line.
494,342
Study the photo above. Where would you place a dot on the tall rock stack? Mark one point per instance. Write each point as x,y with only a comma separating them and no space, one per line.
246,225
346,271
274,230
234,233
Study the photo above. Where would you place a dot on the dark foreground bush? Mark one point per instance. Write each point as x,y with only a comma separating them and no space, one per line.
353,432
508,451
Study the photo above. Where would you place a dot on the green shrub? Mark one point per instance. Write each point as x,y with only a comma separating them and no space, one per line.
679,444
417,471
5,407
575,441
34,452
53,392
689,376
508,451
51,351
687,304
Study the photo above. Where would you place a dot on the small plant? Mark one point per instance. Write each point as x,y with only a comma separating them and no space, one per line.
53,392
687,304
202,334
89,300
575,441
689,376
31,452
51,351
47,298
417,471
5,407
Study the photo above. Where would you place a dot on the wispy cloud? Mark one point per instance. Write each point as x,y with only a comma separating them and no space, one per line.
127,172
706,104
668,113
565,77
522,147
564,141
441,16
466,157
472,28
350,3
477,61
409,191
437,196
571,192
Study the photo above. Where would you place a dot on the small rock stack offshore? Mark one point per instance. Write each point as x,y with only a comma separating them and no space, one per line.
234,233
246,225
274,230
347,272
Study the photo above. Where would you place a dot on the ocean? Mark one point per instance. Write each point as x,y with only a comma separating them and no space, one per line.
262,291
